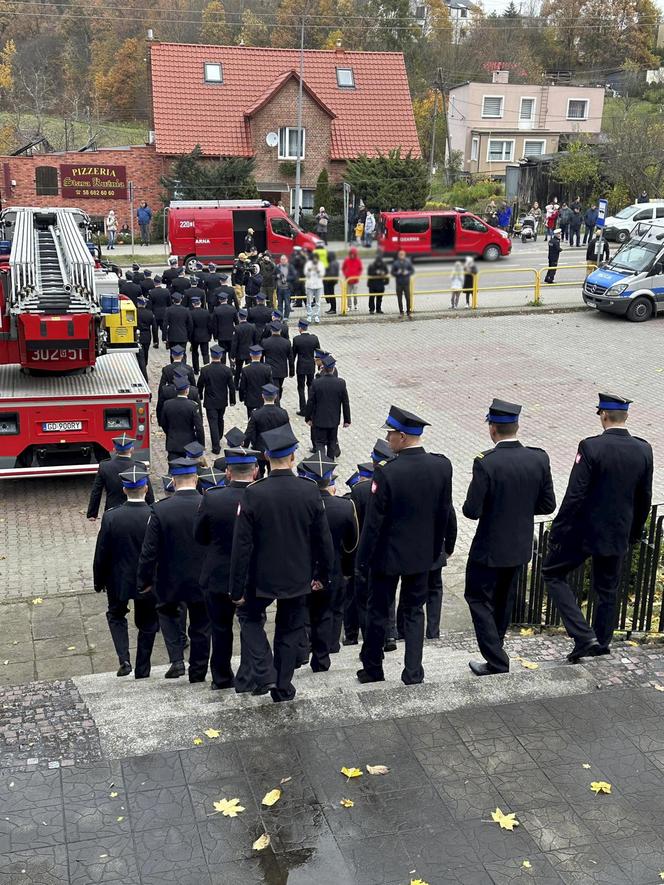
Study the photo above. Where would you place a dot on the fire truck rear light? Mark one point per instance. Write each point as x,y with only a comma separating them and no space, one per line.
141,427
141,410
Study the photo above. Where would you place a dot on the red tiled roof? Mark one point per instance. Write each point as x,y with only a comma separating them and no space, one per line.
376,115
278,84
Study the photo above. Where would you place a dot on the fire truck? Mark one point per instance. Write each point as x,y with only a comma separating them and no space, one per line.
64,392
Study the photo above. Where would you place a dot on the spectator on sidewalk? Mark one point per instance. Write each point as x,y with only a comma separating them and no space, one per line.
596,255
268,272
144,218
504,216
402,270
313,275
352,268
369,228
469,274
285,280
564,219
456,284
551,220
330,281
111,228
378,274
322,221
590,220
575,227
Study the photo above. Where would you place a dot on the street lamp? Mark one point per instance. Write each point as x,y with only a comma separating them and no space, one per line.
298,160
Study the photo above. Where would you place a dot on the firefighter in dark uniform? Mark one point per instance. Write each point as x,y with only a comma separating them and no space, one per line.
260,316
328,398
131,288
277,317
170,566
107,479
244,337
147,282
217,390
178,323
213,529
168,391
119,544
511,484
171,272
177,365
403,534
326,606
159,299
266,417
253,377
224,321
195,290
281,531
278,355
137,275
355,605
249,243
181,420
146,326
180,283
201,333
305,344
227,292
604,510
212,286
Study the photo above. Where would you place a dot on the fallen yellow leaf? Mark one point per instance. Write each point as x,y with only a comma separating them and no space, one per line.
198,741
120,818
271,798
228,807
351,772
262,842
526,631
600,787
505,821
284,780
661,876
211,733
114,795
631,642
37,601
528,665
71,648
347,803
418,882
527,864
586,765
659,688
377,769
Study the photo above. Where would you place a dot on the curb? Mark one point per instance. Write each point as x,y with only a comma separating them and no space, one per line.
480,313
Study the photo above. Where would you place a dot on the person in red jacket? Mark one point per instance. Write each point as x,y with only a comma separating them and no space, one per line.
352,269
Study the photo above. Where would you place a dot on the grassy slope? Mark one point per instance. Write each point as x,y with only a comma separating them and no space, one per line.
108,134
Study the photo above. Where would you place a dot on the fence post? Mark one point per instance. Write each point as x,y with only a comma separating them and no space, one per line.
538,287
411,294
476,278
344,298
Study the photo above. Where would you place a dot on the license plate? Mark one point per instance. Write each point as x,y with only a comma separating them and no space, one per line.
59,426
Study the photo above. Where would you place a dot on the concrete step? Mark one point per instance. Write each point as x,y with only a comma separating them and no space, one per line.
148,715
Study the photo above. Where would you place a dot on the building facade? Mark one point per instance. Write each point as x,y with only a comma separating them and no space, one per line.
492,124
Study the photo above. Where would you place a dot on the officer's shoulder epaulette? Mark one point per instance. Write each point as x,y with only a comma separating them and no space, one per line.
480,455
536,449
215,489
641,439
256,481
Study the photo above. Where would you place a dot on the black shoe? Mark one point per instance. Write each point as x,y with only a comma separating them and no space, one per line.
589,650
263,689
142,675
364,677
194,679
216,451
390,645
279,699
380,311
124,669
371,312
175,670
156,346
350,640
318,669
220,686
603,650
480,668
300,413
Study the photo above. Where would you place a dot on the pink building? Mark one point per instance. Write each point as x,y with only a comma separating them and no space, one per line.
496,123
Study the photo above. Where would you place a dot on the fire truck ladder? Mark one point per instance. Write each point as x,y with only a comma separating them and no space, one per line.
51,266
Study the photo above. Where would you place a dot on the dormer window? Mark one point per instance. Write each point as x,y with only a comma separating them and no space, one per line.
213,72
345,78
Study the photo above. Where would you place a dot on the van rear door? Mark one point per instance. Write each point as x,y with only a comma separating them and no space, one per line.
213,235
243,219
412,233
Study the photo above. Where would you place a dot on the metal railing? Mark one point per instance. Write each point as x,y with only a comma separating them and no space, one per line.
639,607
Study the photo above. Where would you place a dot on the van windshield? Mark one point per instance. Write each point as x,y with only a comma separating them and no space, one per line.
627,212
635,257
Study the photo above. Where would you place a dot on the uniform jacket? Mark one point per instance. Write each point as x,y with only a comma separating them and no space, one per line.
278,355
253,377
409,509
304,346
171,558
359,495
281,531
170,274
260,316
131,290
146,284
159,300
378,268
342,520
180,284
169,371
119,544
555,249
178,324
265,418
224,321
182,423
216,387
243,337
107,479
201,325
147,324
267,331
608,496
193,292
511,485
213,529
168,391
253,285
402,269
328,397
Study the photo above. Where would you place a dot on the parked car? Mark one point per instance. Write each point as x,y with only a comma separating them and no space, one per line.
442,234
620,226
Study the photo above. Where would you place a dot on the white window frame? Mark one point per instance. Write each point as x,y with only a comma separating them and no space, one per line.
474,148
541,141
303,190
534,101
586,101
505,141
502,107
350,85
286,155
213,64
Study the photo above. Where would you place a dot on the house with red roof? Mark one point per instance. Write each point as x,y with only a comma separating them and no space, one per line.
241,101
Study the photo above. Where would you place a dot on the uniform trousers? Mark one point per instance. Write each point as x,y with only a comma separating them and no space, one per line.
301,381
227,349
216,423
606,571
147,624
289,638
204,347
382,593
323,607
199,635
279,382
221,611
490,595
351,613
325,441
239,365
160,327
434,605
146,351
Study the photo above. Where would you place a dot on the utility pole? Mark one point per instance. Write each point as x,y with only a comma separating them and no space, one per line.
433,133
298,161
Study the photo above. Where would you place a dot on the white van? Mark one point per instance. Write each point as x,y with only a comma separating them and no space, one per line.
619,227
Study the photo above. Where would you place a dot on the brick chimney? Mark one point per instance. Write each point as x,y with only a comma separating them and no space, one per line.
500,77
338,48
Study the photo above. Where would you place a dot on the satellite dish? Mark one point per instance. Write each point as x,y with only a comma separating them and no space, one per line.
272,139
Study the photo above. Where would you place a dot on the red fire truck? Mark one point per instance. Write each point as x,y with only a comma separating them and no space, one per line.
62,397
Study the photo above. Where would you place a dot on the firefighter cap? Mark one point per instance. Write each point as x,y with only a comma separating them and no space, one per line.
234,437
502,412
124,442
194,450
280,442
134,478
182,467
404,422
212,479
613,403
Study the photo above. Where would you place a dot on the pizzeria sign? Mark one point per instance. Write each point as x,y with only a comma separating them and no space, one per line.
81,182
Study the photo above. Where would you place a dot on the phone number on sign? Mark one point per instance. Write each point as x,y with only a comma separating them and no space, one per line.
95,193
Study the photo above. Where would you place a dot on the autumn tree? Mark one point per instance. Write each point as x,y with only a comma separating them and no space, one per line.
623,30
214,28
578,168
6,61
254,30
121,89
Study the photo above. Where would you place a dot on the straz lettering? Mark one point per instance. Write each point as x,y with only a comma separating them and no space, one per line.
45,356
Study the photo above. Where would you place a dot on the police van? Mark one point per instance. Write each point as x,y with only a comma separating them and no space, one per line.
631,284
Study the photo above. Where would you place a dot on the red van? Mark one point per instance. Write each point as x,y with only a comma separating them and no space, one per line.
214,230
441,233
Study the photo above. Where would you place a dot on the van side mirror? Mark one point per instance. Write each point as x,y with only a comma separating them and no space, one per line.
657,268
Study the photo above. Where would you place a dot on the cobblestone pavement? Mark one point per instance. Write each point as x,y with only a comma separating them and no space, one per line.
446,371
